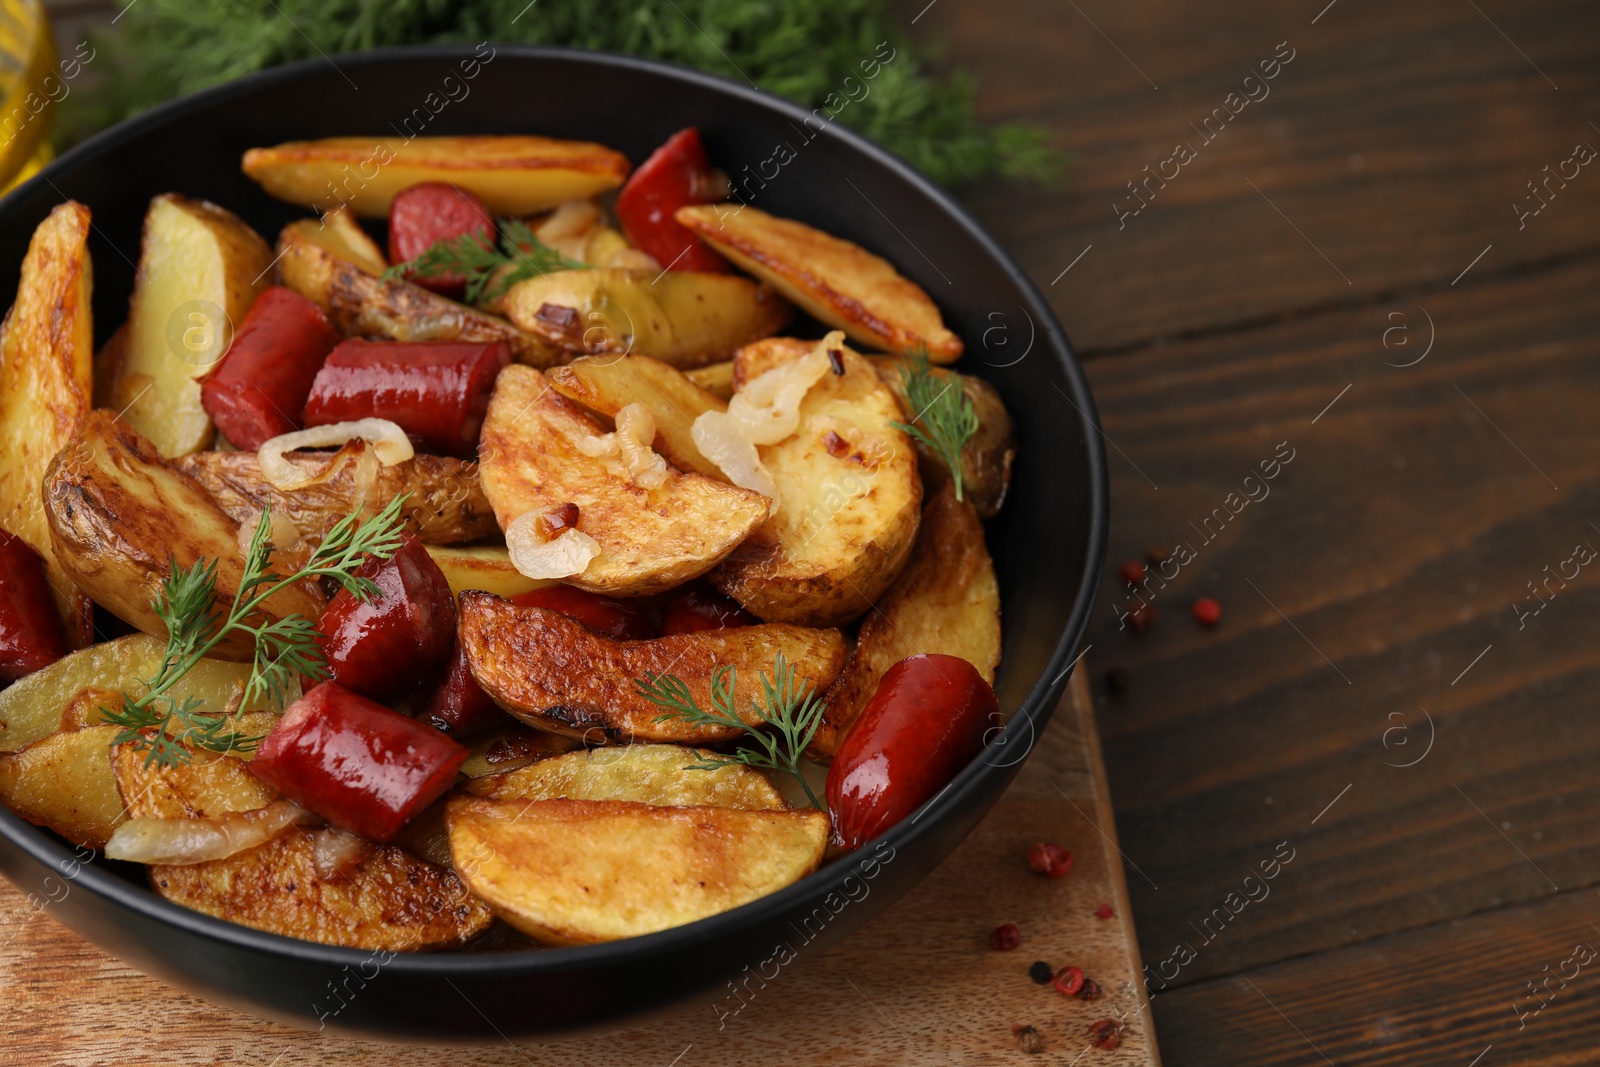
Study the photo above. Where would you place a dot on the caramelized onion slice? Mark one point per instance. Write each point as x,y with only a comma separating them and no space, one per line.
566,554
177,841
387,440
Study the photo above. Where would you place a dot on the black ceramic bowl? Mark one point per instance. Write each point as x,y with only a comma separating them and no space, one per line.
1048,542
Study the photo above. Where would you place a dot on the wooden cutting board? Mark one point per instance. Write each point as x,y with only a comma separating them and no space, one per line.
919,985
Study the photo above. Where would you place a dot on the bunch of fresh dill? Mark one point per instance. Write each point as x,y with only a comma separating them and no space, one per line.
802,49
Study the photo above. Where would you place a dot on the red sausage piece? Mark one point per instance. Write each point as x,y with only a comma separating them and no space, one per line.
31,634
383,648
703,608
362,767
926,722
423,215
677,174
457,704
621,619
259,388
437,393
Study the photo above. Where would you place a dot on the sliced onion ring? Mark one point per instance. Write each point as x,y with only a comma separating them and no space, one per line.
720,441
177,841
387,440
335,853
566,554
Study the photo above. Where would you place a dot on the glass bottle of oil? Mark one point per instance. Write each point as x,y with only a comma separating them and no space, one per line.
27,104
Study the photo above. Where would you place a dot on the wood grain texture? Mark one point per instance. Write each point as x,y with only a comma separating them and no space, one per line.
918,985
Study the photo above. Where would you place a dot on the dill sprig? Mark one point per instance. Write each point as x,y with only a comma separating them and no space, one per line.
943,408
489,271
284,648
791,708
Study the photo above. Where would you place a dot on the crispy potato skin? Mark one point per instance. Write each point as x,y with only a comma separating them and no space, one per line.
838,282
946,601
118,516
512,175
392,900
46,360
316,264
848,505
446,505
558,675
64,782
645,774
572,872
608,384
650,539
683,318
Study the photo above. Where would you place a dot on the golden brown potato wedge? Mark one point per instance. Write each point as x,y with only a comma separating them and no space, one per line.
88,707
607,384
200,269
680,317
512,175
392,900
511,747
650,539
46,354
34,707
558,675
206,787
343,236
108,365
65,782
986,457
486,567
119,517
317,263
646,774
849,498
446,504
838,282
572,872
714,378
945,601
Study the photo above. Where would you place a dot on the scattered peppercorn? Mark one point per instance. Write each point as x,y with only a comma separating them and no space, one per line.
1143,617
1041,972
1005,937
1028,1038
1090,990
1132,571
1116,681
1157,556
1068,981
1106,1034
1048,859
1104,911
1207,611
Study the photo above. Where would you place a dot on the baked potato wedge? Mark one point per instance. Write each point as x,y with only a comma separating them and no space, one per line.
46,359
206,787
714,378
838,282
573,872
558,675
650,539
342,235
646,774
680,317
446,504
986,456
34,707
318,262
945,601
486,567
849,499
607,384
64,782
390,901
119,517
512,175
200,269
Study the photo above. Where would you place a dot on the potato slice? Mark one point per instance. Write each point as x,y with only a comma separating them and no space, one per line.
574,872
46,354
64,782
512,175
318,263
650,539
849,499
647,774
200,269
838,282
34,706
446,504
208,786
511,747
680,317
88,707
343,236
558,675
946,601
486,567
119,516
392,900
986,457
714,378
608,384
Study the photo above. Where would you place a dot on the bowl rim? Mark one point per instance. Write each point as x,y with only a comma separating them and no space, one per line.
1033,712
